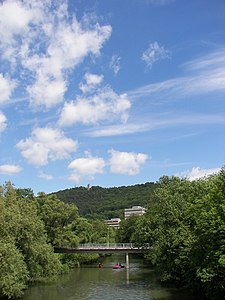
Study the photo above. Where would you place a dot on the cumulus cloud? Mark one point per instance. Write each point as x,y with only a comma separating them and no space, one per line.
127,163
46,144
15,18
10,169
154,53
46,92
115,64
105,105
2,122
86,167
91,82
6,88
46,42
197,173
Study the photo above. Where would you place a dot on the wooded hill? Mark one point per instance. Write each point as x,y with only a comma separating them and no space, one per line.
98,202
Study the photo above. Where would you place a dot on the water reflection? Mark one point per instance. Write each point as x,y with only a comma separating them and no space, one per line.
92,283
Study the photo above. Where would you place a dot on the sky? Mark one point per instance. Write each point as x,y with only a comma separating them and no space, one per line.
110,93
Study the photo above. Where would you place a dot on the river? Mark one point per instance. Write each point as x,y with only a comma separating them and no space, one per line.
138,282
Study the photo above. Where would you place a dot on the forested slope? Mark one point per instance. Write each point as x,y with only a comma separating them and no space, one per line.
98,202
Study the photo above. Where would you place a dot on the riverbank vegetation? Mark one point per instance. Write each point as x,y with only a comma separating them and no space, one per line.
185,226
30,228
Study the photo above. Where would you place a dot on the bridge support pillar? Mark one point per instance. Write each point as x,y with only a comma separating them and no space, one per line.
127,260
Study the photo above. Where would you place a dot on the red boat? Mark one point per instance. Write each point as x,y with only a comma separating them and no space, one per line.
118,266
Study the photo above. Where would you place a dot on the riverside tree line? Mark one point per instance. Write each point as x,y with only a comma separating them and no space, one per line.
30,227
184,224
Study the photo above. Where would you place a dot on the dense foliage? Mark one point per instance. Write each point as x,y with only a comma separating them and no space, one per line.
184,224
29,229
105,203
185,227
25,254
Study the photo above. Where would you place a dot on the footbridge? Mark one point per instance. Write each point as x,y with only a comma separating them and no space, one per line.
103,248
107,248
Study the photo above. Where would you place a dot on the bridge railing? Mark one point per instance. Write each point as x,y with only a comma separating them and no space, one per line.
97,248
113,246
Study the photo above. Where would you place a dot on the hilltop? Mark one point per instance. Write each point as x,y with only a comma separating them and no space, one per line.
99,202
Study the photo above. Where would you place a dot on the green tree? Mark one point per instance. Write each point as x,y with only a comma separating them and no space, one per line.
185,226
29,257
208,250
13,270
25,193
126,232
102,233
83,229
57,217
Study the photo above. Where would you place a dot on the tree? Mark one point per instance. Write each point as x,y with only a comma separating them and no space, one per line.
125,234
57,217
25,193
102,233
24,252
13,270
185,226
83,229
208,250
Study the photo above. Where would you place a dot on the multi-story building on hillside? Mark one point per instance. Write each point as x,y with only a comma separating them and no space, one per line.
135,210
114,222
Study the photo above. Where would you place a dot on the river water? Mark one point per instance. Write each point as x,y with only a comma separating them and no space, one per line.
138,282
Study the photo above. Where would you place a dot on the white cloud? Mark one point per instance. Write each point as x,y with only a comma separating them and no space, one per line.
86,167
204,75
106,105
156,122
210,61
154,53
120,129
46,42
115,64
6,88
45,176
10,169
127,163
46,144
15,18
46,92
3,120
68,48
91,82
197,173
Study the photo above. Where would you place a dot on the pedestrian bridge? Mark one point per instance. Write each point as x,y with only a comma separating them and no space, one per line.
104,248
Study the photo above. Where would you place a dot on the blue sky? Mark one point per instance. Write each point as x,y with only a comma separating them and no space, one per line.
110,93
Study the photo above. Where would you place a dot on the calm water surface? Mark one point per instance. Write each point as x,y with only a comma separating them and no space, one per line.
91,283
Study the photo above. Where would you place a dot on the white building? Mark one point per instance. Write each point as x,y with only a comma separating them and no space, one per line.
114,222
135,210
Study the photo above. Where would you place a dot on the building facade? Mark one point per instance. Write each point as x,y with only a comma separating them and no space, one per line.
114,222
135,210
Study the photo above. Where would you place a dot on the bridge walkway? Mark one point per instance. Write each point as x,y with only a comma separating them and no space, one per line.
103,248
107,248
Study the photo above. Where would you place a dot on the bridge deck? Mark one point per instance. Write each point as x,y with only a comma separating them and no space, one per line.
103,248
